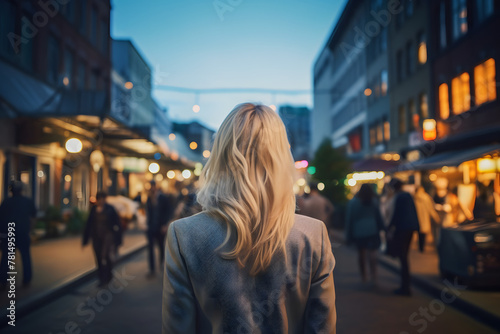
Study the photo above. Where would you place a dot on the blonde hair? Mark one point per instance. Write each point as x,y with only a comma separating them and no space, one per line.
248,183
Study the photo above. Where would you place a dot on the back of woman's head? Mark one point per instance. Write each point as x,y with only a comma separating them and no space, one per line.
366,194
248,183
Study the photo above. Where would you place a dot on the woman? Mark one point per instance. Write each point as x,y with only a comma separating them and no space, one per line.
247,263
105,229
363,225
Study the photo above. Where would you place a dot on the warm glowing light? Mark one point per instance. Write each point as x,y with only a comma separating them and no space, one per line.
170,174
186,173
485,82
433,177
67,178
444,102
159,177
307,189
154,168
445,169
66,81
206,154
171,136
321,186
387,157
301,164
193,145
422,53
301,182
351,182
273,107
429,129
197,172
74,145
40,173
129,85
368,92
174,156
367,176
66,201
196,108
396,157
460,93
486,165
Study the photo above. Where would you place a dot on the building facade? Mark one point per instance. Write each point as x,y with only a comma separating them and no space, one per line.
297,121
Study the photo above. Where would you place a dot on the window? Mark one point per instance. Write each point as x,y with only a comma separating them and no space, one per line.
460,93
380,132
68,68
402,119
83,17
444,101
53,61
424,106
410,58
414,117
459,18
422,49
81,76
485,82
384,82
373,136
104,37
484,9
399,66
387,131
7,26
442,25
93,26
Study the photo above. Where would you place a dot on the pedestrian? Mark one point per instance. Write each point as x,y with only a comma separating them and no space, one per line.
316,206
363,226
105,229
404,223
17,215
247,263
428,217
158,212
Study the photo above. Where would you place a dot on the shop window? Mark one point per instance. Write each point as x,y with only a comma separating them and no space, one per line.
460,93
484,82
459,18
484,9
387,131
402,119
422,49
424,106
444,101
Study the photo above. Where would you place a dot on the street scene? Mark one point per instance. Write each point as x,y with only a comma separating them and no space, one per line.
122,122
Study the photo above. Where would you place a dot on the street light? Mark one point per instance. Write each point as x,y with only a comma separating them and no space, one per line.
74,145
154,168
193,145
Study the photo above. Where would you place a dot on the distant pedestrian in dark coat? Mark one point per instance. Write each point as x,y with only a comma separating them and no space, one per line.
105,230
363,225
403,224
159,210
17,212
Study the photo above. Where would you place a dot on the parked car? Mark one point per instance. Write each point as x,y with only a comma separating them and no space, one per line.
471,252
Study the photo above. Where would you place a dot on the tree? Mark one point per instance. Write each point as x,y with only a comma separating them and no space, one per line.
331,169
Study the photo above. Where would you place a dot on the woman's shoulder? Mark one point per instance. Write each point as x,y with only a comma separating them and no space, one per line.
306,227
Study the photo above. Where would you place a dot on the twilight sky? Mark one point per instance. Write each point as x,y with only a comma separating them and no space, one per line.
270,44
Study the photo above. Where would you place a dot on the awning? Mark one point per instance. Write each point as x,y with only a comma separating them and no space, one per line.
369,165
450,158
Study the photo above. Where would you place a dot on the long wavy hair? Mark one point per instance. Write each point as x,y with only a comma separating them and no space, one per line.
248,183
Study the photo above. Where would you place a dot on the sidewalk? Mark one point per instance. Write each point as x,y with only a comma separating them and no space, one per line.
424,268
59,263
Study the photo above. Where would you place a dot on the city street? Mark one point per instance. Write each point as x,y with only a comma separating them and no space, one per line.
133,305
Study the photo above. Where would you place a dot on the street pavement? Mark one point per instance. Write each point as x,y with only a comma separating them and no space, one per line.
132,304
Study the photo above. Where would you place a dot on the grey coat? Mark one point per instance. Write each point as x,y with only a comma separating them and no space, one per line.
204,293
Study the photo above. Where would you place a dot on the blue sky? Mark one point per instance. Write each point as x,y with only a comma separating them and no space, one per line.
244,44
